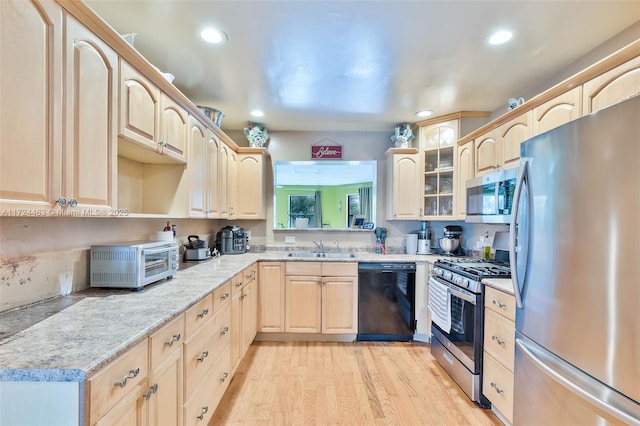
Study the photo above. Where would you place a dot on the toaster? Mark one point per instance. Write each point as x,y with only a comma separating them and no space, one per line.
231,240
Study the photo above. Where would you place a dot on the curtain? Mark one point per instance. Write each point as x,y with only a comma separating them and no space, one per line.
365,202
318,212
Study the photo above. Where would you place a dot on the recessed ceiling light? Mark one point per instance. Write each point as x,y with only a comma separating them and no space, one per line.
257,113
424,113
500,37
211,35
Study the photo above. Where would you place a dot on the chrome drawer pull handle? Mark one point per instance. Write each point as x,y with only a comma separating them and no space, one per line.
498,304
495,386
239,284
203,313
224,296
154,388
204,411
224,377
497,340
174,338
224,330
203,356
132,375
147,395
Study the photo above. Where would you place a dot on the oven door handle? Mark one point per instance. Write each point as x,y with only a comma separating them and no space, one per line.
468,297
157,251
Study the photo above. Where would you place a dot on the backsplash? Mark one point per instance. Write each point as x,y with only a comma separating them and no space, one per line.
42,258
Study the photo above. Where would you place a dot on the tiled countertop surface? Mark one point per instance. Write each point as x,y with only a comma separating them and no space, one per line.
69,338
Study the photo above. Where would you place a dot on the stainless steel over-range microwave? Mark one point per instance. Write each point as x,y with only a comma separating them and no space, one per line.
490,197
133,264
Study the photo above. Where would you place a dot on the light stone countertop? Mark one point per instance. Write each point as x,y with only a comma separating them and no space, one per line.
85,334
505,285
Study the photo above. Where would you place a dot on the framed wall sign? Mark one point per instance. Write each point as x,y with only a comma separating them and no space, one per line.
326,149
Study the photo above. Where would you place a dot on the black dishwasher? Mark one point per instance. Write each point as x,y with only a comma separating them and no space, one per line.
386,299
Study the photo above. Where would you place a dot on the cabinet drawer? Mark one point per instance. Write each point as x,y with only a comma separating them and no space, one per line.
497,386
339,269
200,407
109,385
197,315
304,268
201,350
221,296
250,273
237,283
165,341
499,338
502,303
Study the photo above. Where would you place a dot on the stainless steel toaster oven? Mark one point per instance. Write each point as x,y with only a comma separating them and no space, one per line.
133,264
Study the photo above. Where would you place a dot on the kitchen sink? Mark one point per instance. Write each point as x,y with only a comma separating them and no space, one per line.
307,255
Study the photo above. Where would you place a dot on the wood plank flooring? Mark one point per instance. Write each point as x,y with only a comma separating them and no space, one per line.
362,383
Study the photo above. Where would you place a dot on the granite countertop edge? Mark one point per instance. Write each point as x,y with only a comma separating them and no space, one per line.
505,285
76,342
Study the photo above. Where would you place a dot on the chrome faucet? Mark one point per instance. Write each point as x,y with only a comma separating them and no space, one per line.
319,246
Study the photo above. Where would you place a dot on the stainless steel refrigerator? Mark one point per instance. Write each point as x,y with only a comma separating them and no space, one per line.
575,254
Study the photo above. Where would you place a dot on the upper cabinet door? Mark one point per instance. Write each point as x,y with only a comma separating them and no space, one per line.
558,111
464,172
612,87
511,135
173,128
487,153
232,184
223,163
403,180
30,104
213,192
139,107
197,168
250,187
89,164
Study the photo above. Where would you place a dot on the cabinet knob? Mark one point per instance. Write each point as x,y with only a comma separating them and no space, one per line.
224,330
62,202
73,202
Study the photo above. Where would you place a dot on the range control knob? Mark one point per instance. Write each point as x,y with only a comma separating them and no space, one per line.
464,282
447,276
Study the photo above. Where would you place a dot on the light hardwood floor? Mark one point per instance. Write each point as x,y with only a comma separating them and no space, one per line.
363,383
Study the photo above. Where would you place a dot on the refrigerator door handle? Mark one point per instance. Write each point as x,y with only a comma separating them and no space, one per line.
514,247
582,385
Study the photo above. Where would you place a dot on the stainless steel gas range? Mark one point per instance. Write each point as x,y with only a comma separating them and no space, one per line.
456,302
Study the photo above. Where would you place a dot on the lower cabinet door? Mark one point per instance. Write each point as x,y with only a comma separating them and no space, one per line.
339,305
165,392
131,410
236,330
303,298
497,386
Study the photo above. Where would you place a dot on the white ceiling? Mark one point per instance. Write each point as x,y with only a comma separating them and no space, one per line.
360,65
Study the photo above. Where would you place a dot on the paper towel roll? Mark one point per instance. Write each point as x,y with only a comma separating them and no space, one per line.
411,244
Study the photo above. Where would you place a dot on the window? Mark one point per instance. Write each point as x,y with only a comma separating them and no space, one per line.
353,207
301,206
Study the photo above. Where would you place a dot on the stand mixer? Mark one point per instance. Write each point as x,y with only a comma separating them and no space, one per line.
450,244
381,237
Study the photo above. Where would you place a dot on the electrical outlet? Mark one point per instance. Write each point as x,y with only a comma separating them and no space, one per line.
289,239
248,235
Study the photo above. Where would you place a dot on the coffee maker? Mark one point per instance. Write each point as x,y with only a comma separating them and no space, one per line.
381,237
451,244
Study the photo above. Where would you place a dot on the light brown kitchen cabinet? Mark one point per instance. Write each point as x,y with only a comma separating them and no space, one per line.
403,180
271,296
197,168
499,351
321,297
510,136
173,128
464,171
116,391
557,111
213,182
439,178
487,153
612,87
31,105
139,107
232,184
244,313
223,180
251,201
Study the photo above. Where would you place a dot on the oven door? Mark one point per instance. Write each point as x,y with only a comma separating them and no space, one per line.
156,264
464,338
